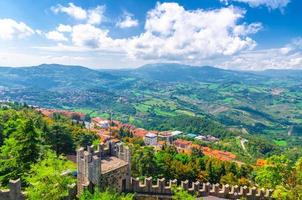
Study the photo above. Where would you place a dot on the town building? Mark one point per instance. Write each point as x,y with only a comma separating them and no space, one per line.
166,136
176,133
150,139
139,132
207,138
100,123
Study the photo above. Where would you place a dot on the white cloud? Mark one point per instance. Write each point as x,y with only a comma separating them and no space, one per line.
64,28
56,36
287,57
87,35
173,33
71,10
92,16
127,21
96,16
272,4
217,37
10,29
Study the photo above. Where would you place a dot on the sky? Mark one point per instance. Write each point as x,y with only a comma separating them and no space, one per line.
230,34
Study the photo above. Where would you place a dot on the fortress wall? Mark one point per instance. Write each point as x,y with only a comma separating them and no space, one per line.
164,188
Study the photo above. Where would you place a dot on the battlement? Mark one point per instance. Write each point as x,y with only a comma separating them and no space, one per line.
13,192
163,188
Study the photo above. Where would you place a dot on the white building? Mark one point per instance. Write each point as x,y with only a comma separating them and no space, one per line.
150,139
176,133
104,124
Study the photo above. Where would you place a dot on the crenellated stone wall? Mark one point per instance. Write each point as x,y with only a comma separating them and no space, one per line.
13,192
163,189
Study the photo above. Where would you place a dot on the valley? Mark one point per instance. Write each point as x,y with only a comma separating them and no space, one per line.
255,105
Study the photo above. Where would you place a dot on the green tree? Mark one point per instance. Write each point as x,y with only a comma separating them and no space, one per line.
291,189
47,180
275,172
230,179
19,151
106,195
60,139
181,194
143,162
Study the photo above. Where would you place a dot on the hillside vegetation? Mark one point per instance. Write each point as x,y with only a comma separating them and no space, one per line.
261,107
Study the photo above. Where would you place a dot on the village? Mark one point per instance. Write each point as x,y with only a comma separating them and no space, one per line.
108,129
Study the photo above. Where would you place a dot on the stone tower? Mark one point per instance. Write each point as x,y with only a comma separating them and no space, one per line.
107,167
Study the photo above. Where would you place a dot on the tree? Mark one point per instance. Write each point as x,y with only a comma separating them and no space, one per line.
275,172
181,194
19,151
291,189
106,195
60,139
47,180
143,161
230,179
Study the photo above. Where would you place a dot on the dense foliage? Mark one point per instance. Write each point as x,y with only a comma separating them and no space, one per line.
50,178
106,195
170,164
27,140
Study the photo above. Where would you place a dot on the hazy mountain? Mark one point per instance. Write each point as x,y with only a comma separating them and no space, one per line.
49,76
279,73
53,76
187,73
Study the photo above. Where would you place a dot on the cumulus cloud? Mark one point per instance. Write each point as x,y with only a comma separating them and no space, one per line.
272,4
87,35
127,21
10,29
96,16
71,10
92,16
56,36
287,57
173,33
64,28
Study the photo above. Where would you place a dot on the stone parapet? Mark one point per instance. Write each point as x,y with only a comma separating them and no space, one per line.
164,188
13,192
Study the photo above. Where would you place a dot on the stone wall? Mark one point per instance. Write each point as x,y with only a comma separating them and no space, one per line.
13,192
163,189
114,179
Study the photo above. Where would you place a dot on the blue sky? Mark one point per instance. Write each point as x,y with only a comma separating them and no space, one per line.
232,34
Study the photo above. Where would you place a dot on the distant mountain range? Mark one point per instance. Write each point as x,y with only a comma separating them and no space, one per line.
53,75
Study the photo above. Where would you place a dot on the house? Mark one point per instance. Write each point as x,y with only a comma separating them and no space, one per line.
165,136
150,139
69,114
207,138
201,138
139,132
176,133
221,155
184,144
99,122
